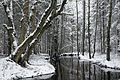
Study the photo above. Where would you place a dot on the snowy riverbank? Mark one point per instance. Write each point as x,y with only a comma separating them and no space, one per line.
39,66
100,59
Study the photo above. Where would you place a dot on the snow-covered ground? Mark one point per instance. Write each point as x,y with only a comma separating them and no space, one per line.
100,59
39,66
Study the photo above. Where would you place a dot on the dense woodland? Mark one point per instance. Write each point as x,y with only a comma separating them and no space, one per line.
59,26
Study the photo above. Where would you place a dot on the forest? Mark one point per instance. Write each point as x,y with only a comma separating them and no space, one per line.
83,29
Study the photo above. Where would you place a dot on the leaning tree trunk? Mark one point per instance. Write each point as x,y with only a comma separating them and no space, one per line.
19,54
32,28
33,39
24,21
16,56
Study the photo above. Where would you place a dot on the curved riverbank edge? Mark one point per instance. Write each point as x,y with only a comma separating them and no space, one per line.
40,68
41,76
105,66
99,60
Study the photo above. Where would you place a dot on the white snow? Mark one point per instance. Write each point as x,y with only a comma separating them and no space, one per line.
39,66
101,59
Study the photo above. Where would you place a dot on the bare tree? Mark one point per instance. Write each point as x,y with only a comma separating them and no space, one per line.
108,32
95,30
89,42
83,34
19,54
77,27
103,25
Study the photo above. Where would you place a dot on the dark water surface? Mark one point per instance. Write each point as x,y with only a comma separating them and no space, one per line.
70,68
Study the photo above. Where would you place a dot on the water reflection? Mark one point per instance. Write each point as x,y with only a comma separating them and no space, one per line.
40,77
72,69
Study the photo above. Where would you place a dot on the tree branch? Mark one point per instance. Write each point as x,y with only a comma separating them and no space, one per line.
21,48
45,27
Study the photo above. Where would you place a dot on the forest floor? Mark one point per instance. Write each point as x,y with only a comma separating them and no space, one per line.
100,59
39,67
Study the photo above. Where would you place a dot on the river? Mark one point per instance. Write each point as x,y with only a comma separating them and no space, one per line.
70,68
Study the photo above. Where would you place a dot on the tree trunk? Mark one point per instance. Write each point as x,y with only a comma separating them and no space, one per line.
103,30
61,43
108,32
9,26
4,43
83,35
89,29
101,34
95,30
19,55
24,21
77,27
37,34
22,47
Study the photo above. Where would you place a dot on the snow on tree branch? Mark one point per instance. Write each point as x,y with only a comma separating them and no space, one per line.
10,27
21,48
47,24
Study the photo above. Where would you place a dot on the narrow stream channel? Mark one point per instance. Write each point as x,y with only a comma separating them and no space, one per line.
70,68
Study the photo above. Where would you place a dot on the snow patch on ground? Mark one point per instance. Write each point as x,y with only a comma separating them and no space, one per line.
10,70
100,59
